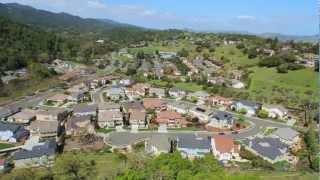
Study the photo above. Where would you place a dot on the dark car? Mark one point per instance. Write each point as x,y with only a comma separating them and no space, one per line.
235,132
221,133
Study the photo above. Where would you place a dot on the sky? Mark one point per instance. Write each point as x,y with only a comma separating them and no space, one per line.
291,17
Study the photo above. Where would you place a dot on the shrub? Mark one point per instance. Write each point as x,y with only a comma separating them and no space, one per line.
283,68
263,114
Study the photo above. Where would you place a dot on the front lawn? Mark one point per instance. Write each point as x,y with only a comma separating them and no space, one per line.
5,146
104,130
190,87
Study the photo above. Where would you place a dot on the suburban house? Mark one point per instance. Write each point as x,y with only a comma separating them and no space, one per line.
200,96
289,136
138,119
78,88
85,109
158,143
167,55
12,132
236,84
236,74
77,97
157,92
130,106
219,101
57,100
154,104
158,69
192,146
177,93
126,82
41,154
25,116
178,106
216,80
268,148
53,114
276,111
44,129
3,165
224,148
79,125
108,107
5,112
221,120
171,119
110,119
251,108
115,93
141,89
201,112
131,94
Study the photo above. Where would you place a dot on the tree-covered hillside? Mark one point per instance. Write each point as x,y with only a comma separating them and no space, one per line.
21,44
57,21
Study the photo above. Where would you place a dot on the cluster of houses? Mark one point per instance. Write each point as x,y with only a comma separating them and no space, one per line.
12,75
37,133
193,146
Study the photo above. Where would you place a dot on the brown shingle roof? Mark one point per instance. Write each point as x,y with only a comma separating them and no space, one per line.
224,144
165,116
153,103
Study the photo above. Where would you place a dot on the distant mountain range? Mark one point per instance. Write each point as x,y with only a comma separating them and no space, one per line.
63,21
57,21
283,37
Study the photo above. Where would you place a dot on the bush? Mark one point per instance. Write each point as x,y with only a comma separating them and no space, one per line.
252,53
243,111
272,61
263,114
283,68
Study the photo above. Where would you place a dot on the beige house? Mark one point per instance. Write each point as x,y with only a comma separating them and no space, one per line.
79,125
110,119
23,117
54,114
137,119
44,129
58,99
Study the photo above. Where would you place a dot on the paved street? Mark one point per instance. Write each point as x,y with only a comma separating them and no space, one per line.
126,138
97,95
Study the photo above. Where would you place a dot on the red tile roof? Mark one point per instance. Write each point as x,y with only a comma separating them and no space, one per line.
153,103
2,162
224,144
165,116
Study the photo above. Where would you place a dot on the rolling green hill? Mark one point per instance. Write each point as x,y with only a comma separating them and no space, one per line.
20,44
57,21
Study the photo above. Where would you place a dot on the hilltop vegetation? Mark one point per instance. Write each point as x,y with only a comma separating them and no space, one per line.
135,166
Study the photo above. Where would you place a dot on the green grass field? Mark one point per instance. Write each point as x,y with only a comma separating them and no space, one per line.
152,47
236,57
158,83
292,87
190,87
107,164
267,175
5,145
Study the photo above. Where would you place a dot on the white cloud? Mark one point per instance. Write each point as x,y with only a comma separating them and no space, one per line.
246,17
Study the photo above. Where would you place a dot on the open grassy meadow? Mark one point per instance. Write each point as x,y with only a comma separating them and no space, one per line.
190,87
291,88
234,56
